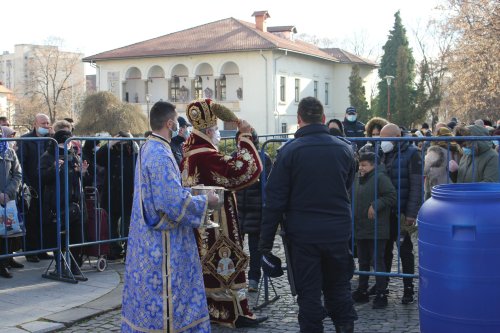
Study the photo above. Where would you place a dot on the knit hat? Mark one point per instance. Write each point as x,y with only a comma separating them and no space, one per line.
203,113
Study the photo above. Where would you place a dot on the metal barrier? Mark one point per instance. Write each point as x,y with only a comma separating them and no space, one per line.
398,145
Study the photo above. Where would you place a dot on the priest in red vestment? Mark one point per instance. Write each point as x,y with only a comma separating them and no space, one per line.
221,249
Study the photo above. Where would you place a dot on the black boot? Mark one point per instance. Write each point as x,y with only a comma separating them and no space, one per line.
345,328
4,271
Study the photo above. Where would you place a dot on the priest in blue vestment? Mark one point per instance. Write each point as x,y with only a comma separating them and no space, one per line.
163,283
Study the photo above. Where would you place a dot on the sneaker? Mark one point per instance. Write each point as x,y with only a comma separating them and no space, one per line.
359,296
253,286
380,301
408,296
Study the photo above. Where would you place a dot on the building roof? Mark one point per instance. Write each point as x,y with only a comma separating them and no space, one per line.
347,57
223,36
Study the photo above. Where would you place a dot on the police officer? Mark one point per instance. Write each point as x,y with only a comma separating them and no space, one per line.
309,184
352,127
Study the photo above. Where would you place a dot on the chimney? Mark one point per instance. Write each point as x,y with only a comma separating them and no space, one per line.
260,20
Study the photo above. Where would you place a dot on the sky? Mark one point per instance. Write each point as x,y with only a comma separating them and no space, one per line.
95,26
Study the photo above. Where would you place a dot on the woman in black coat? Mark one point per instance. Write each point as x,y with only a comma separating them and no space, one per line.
49,169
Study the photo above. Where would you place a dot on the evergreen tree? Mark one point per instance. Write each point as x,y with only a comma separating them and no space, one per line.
357,95
398,62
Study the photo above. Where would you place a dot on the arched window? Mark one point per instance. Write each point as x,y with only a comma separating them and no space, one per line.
198,91
220,88
174,89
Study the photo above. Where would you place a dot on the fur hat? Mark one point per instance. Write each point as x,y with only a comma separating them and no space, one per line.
203,113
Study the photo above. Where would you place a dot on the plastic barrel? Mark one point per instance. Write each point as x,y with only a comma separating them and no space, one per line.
459,259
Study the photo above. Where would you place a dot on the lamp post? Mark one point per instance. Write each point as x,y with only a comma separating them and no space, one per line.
277,120
148,98
388,79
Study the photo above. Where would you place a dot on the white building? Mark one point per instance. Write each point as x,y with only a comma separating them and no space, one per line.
260,73
6,102
17,70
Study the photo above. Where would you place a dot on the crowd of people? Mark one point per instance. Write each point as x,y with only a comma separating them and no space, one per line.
320,180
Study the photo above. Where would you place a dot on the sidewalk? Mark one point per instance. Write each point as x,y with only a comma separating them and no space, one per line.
30,303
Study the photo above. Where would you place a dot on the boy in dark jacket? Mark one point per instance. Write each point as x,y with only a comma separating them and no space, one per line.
374,195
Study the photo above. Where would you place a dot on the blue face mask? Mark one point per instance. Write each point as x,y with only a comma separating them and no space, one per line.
351,117
467,151
42,131
176,131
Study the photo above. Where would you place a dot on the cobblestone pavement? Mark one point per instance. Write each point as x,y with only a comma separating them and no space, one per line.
396,318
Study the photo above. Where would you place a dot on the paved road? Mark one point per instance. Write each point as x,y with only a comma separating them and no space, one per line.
396,318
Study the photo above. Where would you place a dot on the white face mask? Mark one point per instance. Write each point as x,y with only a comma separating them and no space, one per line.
216,138
386,146
352,117
187,132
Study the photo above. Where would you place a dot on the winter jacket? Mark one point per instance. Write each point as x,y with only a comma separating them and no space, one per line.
249,201
355,129
10,173
309,184
29,153
176,145
409,181
484,166
364,197
435,168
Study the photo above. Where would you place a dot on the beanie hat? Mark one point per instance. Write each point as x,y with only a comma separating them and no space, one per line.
271,265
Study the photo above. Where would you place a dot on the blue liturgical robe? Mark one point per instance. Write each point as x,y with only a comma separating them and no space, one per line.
163,283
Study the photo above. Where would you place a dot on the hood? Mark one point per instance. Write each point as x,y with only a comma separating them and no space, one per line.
482,146
372,123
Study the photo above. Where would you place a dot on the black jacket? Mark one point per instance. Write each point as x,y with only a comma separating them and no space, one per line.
355,129
250,203
309,184
29,153
120,165
176,145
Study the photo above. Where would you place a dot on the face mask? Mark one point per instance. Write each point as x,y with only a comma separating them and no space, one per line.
175,131
187,132
216,138
496,142
42,131
467,151
386,146
335,132
375,136
352,117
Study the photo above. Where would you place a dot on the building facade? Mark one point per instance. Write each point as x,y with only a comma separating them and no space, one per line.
260,75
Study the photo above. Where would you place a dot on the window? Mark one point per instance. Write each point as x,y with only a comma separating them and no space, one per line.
297,90
283,128
326,94
282,88
198,91
315,89
220,88
174,89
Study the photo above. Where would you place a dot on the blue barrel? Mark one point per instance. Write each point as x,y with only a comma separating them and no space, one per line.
459,259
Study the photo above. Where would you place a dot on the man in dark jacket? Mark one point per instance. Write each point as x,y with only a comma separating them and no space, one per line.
408,182
249,202
179,138
352,127
118,157
309,184
29,153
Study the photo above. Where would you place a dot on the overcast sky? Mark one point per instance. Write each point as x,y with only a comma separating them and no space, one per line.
93,26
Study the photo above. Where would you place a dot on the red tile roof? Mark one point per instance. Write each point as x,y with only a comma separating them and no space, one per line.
227,35
347,57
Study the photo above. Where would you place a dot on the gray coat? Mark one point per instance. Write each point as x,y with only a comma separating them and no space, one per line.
10,173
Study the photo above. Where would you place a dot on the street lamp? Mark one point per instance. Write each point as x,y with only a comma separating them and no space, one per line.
388,79
277,120
148,98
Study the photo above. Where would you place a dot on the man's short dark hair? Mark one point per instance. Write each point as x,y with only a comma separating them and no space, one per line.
160,113
310,110
425,125
3,119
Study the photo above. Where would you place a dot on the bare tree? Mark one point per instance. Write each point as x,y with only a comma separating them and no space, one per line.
54,75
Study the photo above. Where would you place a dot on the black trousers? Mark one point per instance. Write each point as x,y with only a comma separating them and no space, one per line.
366,257
254,272
405,251
323,269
